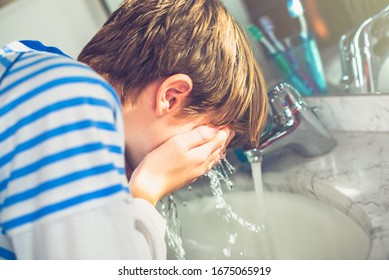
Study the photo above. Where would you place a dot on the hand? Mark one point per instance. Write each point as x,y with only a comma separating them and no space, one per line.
178,161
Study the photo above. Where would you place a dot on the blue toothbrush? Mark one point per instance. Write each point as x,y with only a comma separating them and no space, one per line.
311,51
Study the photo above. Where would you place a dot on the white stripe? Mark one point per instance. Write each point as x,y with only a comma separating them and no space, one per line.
63,168
56,119
58,194
49,97
43,78
31,69
69,212
31,57
17,46
5,242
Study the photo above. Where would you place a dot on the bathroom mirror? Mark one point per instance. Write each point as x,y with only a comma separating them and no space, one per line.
281,24
306,36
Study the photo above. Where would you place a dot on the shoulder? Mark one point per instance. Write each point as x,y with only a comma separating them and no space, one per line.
38,64
40,76
43,91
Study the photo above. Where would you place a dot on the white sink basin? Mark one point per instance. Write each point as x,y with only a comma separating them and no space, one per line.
298,227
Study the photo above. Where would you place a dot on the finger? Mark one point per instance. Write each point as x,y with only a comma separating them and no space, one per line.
211,153
198,136
231,136
213,159
206,165
204,151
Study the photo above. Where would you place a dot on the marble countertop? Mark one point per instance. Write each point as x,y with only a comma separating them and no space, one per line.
353,177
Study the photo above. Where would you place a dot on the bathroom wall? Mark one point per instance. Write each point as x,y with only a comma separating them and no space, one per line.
66,24
112,4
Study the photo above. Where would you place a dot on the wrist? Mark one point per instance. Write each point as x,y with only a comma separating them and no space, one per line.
144,187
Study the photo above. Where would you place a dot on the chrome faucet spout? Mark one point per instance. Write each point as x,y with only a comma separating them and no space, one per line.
254,155
363,51
293,124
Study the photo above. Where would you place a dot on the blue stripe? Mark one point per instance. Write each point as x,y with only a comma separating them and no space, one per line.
7,49
6,254
53,108
27,56
51,134
55,183
33,167
114,149
107,126
5,62
58,82
46,58
41,71
28,218
38,46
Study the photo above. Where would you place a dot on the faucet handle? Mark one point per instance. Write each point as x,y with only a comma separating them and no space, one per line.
294,124
284,101
295,97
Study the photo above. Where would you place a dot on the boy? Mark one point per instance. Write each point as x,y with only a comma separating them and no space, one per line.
184,85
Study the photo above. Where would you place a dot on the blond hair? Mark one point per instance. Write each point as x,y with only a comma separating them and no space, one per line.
146,40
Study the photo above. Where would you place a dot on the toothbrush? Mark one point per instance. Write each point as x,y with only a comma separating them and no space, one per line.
296,10
268,28
312,55
300,71
280,61
259,37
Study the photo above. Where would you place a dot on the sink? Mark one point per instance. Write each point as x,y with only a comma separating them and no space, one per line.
296,227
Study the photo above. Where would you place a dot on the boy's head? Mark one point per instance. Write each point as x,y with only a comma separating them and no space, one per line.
146,41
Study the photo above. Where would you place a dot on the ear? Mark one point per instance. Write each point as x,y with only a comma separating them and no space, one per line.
172,92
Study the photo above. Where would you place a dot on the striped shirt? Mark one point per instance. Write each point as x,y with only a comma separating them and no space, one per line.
61,145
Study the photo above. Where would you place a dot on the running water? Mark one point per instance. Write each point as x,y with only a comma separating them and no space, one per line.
258,185
173,229
256,169
218,175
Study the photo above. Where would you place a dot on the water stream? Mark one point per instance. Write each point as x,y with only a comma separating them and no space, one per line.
219,177
256,169
173,229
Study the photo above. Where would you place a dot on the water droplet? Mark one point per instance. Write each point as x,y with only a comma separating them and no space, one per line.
232,238
227,252
243,253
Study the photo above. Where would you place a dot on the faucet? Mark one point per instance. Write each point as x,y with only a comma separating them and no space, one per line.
345,55
363,51
292,124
